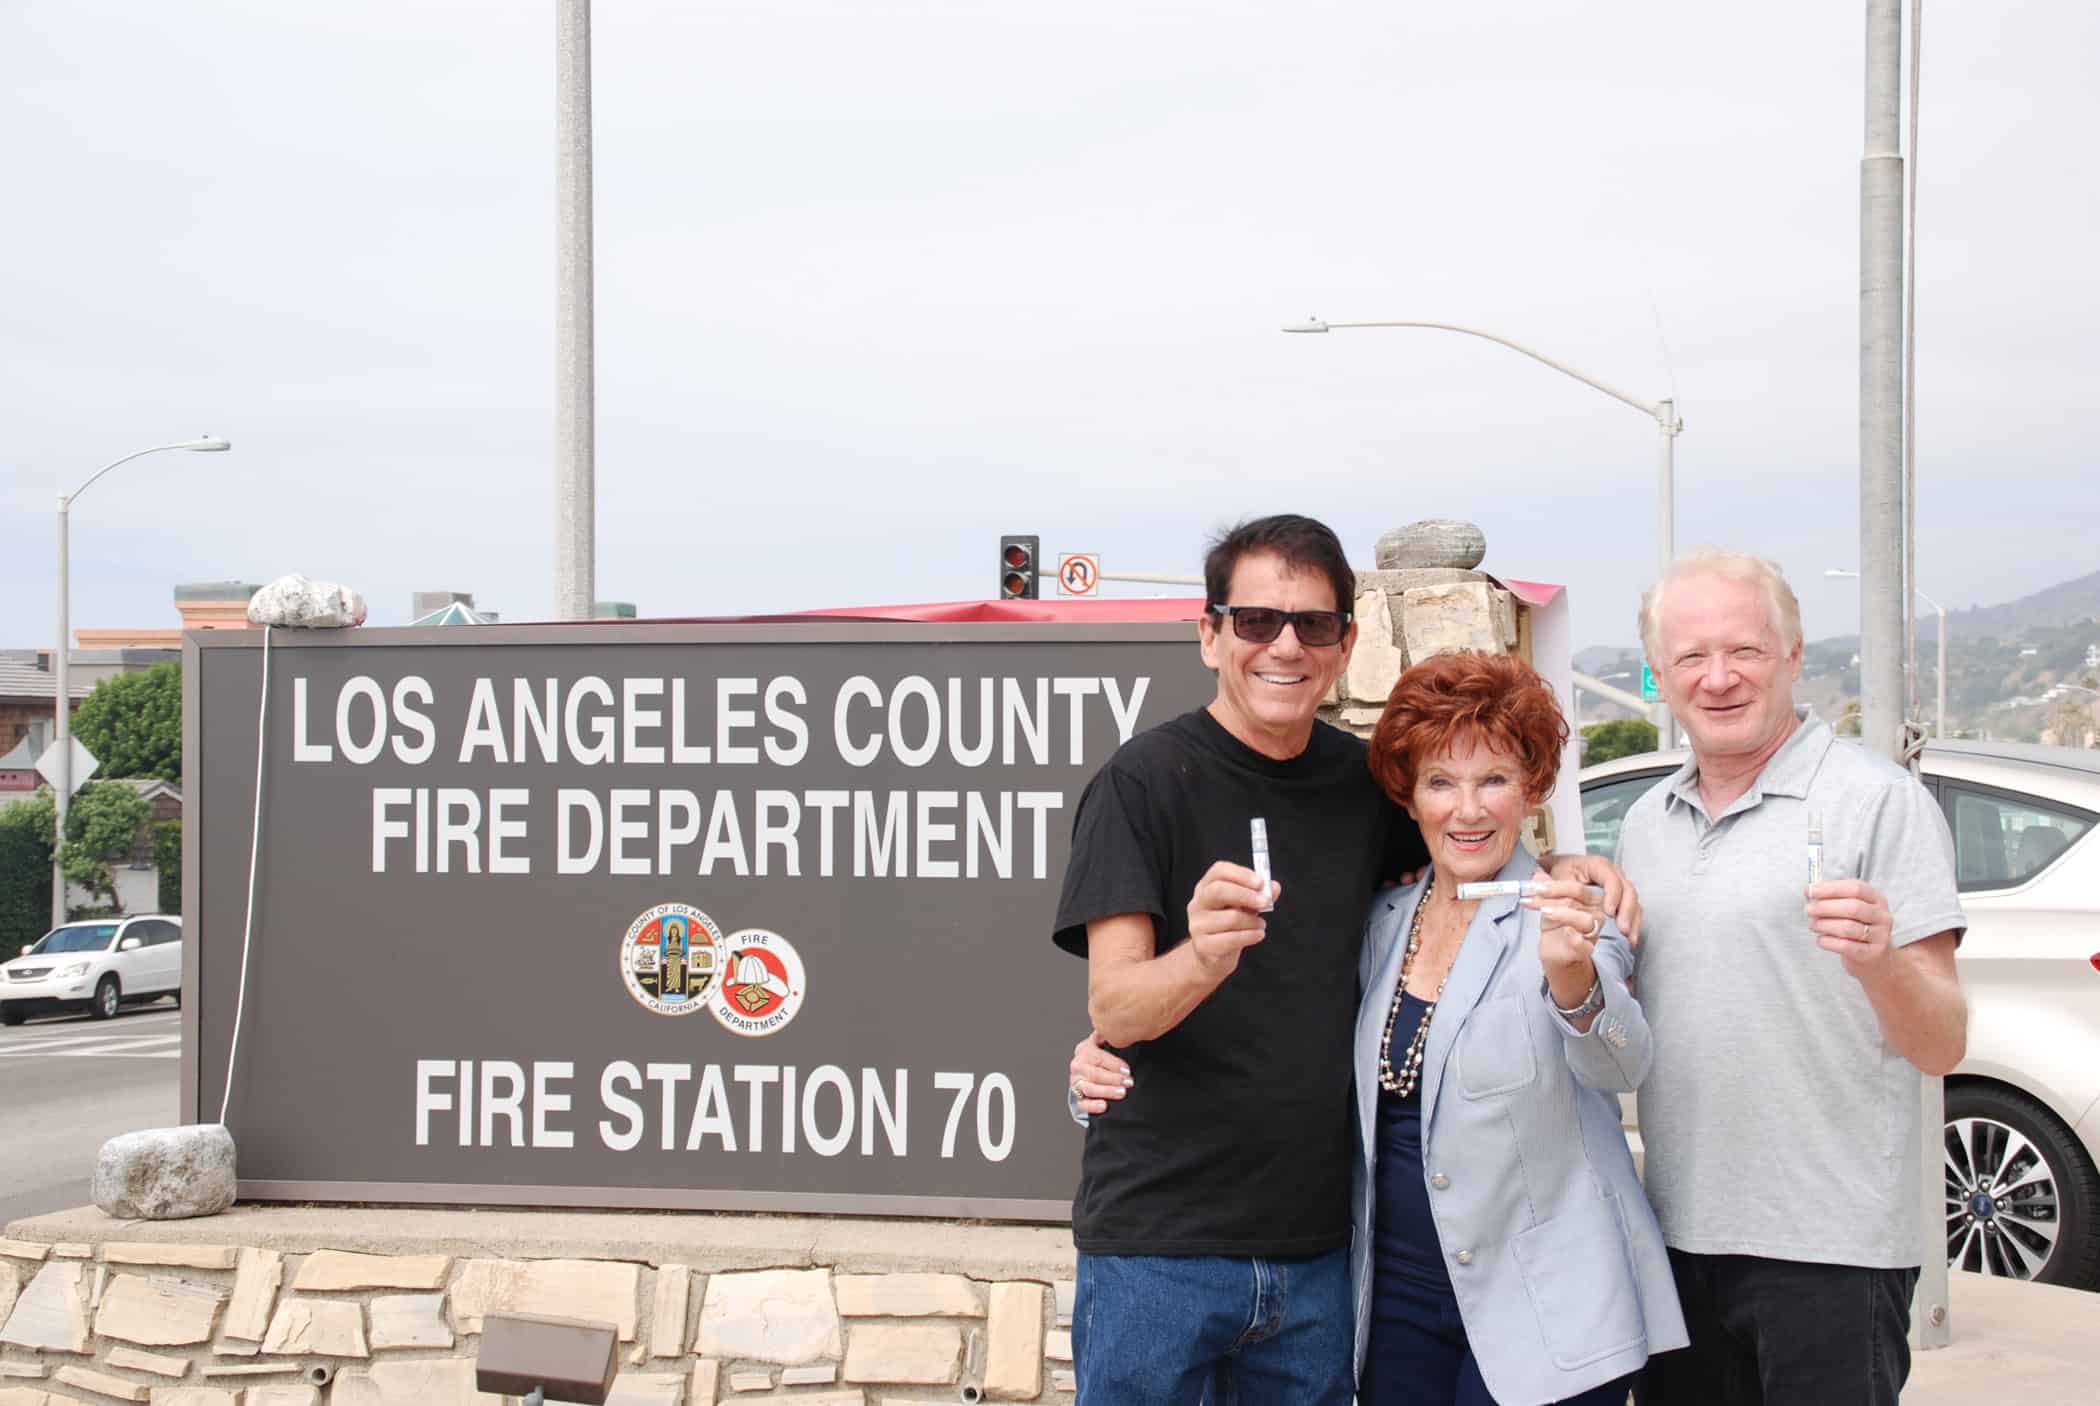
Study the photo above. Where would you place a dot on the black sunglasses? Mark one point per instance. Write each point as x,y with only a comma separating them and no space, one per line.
1259,624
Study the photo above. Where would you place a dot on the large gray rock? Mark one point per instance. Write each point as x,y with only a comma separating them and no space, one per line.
166,1173
307,605
1433,542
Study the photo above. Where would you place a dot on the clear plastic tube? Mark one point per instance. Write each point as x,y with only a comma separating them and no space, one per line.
1258,833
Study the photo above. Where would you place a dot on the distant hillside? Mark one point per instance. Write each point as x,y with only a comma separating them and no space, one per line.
2066,603
2053,607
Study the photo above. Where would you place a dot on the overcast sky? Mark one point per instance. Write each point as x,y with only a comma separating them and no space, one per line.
880,281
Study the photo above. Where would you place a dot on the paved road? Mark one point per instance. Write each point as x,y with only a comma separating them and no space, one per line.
67,1085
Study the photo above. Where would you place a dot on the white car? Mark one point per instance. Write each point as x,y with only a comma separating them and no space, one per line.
96,966
2023,1108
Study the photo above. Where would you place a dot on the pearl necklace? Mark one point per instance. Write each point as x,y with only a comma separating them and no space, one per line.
1404,1082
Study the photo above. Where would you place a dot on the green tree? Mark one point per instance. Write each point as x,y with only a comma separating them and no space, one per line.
25,872
102,824
167,859
1622,737
133,723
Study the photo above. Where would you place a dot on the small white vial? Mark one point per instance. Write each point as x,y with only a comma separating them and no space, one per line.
1258,832
1506,888
1497,888
1815,848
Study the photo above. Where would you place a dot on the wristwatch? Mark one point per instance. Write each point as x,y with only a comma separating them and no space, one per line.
1588,1006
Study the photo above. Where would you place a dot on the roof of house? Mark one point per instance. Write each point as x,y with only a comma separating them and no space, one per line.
27,681
150,787
456,613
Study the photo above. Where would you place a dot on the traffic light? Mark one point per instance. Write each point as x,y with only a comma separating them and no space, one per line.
1018,557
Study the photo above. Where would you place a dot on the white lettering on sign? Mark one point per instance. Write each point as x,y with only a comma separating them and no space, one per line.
653,721
831,1110
914,722
936,834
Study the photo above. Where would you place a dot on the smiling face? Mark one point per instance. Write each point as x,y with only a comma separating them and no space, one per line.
1470,803
1269,693
1725,672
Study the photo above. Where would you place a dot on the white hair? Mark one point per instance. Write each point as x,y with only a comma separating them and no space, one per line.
1745,567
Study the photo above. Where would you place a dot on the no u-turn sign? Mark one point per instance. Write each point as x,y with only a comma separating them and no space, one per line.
1078,573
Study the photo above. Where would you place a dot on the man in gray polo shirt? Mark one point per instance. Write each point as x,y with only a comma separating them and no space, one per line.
1790,1018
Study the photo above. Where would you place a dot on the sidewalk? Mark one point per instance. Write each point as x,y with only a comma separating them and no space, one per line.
2028,1343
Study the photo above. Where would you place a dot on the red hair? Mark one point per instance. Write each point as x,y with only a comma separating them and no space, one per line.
1450,700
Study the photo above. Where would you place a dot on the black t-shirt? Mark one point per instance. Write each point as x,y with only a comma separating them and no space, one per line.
1236,1138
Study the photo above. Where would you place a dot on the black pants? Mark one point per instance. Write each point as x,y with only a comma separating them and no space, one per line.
1785,1333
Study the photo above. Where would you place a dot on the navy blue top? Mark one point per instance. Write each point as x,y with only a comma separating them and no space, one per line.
1404,1241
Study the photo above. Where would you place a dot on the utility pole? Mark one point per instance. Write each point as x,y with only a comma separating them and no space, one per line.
1883,551
1881,387
575,415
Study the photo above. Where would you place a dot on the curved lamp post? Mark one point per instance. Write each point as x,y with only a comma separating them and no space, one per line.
1663,412
61,657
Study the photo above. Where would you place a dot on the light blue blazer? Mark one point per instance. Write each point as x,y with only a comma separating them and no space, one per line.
1557,1262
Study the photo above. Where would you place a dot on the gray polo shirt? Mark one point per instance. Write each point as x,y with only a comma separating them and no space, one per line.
1775,1120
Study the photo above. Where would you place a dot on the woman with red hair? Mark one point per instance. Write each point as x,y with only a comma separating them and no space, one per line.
1503,1250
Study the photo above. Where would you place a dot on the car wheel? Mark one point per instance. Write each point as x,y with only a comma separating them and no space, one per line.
107,998
2023,1200
10,1016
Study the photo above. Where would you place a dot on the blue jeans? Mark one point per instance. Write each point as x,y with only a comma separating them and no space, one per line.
1159,1330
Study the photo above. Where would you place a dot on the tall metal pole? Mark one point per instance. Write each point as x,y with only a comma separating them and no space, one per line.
1666,540
1939,715
575,419
1882,550
1881,387
62,657
61,664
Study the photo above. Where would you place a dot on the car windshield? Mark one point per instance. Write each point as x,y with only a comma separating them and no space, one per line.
81,937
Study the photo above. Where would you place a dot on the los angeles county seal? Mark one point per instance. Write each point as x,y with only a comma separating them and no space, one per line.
761,985
668,958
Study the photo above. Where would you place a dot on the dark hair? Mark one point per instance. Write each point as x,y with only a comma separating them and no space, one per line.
1449,699
1303,543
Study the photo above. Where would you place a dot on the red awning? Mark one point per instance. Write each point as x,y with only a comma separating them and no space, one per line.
1534,593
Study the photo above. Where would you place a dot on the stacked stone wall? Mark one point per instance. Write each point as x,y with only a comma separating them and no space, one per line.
233,1325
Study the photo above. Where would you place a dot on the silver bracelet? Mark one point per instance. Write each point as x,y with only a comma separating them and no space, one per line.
1590,1004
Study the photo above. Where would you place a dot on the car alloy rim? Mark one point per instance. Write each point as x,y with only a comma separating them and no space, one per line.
2002,1209
108,998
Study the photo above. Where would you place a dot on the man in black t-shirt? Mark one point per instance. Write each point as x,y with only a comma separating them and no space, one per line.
1212,1216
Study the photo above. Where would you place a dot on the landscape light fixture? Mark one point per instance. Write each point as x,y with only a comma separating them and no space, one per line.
547,1359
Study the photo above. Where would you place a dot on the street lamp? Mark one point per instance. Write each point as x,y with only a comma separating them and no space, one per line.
62,656
1663,412
1939,721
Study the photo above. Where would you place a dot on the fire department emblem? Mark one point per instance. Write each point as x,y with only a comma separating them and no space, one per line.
761,983
668,958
